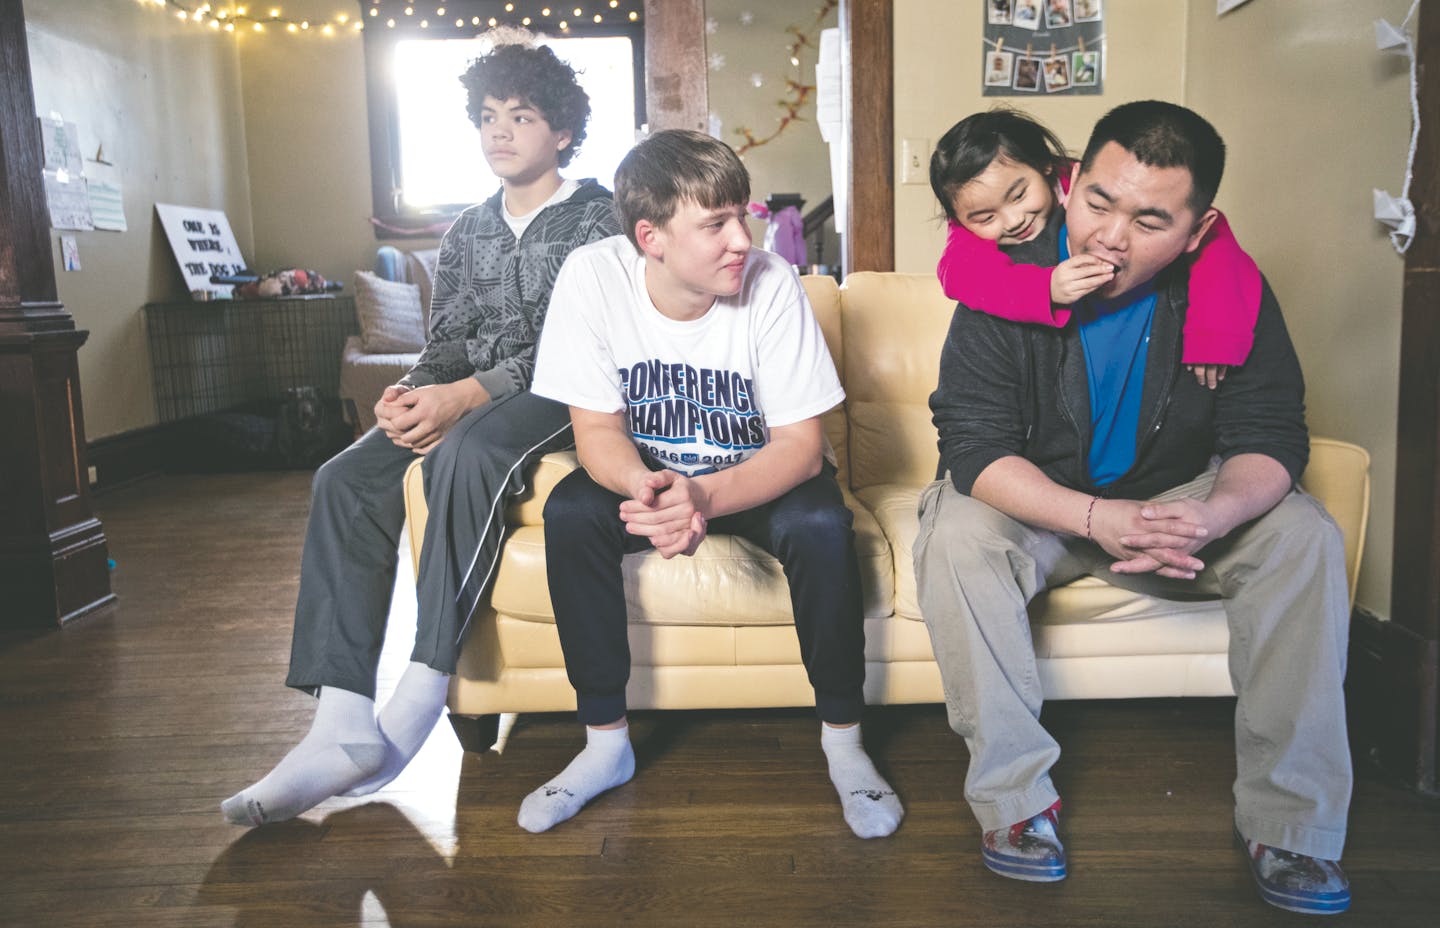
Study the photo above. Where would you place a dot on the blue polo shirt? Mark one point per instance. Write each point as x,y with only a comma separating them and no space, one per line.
1116,339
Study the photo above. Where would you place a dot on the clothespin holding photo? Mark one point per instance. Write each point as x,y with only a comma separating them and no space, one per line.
1082,44
999,44
1029,52
1053,52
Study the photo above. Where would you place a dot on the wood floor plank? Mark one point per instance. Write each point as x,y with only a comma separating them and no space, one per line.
122,732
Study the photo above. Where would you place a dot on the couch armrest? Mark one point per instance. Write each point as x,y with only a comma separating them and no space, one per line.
1339,476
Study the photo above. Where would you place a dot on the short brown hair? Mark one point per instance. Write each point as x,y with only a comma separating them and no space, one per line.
672,166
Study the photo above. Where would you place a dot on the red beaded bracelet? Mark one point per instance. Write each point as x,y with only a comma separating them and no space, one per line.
1088,514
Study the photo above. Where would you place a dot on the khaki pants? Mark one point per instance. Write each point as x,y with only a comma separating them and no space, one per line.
1282,581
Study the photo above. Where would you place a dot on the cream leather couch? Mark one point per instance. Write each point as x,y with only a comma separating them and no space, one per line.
714,630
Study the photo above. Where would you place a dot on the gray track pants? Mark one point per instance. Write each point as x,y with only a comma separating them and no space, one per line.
1282,580
347,571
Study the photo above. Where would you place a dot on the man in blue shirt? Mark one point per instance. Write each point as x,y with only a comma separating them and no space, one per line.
1089,450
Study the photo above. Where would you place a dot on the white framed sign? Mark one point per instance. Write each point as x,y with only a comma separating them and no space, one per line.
203,245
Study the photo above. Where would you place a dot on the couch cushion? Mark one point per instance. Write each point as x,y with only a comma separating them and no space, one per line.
824,296
728,582
420,271
390,315
892,326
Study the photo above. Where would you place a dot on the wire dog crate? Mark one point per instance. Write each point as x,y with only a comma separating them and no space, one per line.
213,356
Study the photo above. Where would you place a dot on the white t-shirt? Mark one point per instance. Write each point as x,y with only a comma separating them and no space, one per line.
518,224
701,395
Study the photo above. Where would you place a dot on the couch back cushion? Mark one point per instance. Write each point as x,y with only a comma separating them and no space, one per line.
824,296
420,271
893,327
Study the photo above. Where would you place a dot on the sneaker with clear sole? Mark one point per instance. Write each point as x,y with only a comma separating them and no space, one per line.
1030,850
1297,882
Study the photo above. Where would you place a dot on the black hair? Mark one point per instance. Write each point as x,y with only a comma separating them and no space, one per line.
969,147
532,74
1165,135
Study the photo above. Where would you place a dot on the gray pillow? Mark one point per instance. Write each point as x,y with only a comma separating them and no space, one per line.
390,317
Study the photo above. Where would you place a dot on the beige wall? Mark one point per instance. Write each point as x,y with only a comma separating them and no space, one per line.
308,140
1313,117
155,93
798,160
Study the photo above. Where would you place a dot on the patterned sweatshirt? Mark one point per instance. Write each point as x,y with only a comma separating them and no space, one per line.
491,291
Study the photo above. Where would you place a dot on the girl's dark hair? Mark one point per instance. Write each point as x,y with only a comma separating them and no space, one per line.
973,143
535,75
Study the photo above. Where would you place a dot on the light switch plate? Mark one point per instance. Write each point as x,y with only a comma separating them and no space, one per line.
914,161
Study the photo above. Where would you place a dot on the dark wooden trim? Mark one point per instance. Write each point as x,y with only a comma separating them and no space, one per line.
53,560
1390,694
27,273
867,29
677,76
134,455
1411,643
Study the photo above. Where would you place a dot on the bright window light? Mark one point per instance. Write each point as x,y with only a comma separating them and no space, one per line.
440,158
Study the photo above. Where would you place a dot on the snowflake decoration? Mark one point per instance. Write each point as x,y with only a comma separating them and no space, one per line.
757,80
717,62
712,25
747,18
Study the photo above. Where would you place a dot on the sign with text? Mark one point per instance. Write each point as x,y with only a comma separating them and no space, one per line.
203,245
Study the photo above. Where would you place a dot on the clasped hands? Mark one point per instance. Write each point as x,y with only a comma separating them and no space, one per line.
1154,537
418,417
668,508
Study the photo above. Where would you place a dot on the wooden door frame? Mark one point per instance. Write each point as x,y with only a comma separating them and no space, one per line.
1394,695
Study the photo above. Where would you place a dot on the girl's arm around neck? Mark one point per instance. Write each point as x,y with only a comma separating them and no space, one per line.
1224,300
978,274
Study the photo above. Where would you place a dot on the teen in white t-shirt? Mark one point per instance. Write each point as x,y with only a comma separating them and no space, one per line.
696,375
698,394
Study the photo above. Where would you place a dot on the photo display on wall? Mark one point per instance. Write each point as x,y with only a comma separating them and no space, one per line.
1043,47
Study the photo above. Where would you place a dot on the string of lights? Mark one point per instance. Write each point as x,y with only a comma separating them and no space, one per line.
464,15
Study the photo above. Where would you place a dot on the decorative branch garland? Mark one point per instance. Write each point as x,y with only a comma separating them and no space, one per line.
797,93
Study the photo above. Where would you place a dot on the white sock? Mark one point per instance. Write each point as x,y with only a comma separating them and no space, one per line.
406,721
607,761
872,810
343,747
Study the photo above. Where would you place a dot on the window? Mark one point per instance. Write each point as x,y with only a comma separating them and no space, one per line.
425,153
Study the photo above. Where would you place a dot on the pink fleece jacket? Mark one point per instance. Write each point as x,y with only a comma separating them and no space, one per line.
1224,290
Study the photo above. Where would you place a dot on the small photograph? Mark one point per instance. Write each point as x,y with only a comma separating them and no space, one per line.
997,69
1085,69
70,252
1027,14
1088,11
1057,74
1027,74
999,12
1058,14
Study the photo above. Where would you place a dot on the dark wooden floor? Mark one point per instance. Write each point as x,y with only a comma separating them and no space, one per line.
120,735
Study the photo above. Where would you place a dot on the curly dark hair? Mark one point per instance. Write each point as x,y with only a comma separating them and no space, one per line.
535,75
